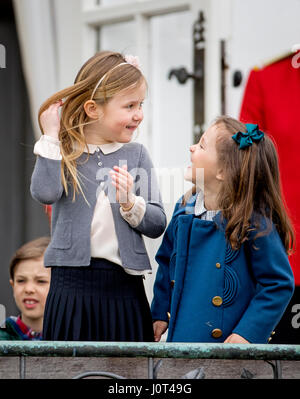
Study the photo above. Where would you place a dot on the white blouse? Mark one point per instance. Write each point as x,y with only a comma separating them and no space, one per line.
200,209
104,241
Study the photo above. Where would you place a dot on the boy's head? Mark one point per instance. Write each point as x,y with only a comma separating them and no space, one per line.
30,280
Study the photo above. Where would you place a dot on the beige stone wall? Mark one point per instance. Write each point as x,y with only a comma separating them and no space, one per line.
66,368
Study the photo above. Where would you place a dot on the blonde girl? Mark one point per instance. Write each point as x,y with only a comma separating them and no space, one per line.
104,197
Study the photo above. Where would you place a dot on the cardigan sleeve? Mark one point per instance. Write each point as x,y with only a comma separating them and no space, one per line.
48,147
271,270
136,213
46,186
154,220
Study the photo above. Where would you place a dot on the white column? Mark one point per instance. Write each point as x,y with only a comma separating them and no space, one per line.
143,48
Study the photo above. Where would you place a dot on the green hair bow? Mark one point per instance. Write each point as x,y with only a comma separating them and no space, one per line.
246,139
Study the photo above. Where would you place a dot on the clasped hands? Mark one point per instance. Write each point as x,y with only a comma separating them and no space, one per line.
123,181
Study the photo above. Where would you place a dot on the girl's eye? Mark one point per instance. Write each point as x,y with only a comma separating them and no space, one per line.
130,106
20,281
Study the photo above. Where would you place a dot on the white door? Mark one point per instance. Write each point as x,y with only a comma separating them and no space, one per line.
160,32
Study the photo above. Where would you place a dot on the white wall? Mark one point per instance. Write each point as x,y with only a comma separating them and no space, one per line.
260,31
70,44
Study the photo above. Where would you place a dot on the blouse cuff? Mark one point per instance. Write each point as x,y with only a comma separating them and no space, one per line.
135,215
48,147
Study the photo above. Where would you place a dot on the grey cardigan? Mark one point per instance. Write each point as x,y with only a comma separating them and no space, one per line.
71,220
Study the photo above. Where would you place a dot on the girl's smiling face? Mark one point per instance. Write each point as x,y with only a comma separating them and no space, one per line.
122,115
204,168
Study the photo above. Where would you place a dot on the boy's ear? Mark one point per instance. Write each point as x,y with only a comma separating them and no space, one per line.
220,175
11,282
92,109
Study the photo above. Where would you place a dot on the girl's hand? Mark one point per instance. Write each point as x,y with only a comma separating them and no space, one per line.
235,339
123,182
50,120
159,328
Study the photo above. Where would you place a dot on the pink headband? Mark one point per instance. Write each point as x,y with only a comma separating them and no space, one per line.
130,59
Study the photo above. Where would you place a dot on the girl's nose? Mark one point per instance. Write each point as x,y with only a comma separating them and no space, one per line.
138,115
192,148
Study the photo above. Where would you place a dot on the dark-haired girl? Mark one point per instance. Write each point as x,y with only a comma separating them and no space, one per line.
224,274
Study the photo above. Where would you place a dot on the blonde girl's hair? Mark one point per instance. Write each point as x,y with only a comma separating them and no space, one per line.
115,75
252,187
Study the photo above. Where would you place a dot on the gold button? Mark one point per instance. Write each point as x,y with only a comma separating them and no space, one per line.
217,300
172,283
273,332
217,333
270,339
169,315
218,265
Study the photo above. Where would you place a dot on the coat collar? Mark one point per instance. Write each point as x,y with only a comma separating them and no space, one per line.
189,209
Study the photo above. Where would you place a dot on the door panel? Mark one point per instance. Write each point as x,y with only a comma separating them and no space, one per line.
171,102
119,37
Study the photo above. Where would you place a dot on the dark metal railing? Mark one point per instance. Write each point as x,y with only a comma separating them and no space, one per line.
151,350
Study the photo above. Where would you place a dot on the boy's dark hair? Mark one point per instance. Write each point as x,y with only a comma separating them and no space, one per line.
31,250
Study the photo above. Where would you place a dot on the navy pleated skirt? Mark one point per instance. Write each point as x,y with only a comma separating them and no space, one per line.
100,302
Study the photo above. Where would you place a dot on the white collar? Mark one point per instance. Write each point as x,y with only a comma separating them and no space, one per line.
105,148
200,208
199,204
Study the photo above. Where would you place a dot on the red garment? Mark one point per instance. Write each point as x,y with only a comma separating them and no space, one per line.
24,331
48,211
272,99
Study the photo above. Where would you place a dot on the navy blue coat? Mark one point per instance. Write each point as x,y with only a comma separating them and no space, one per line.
207,290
